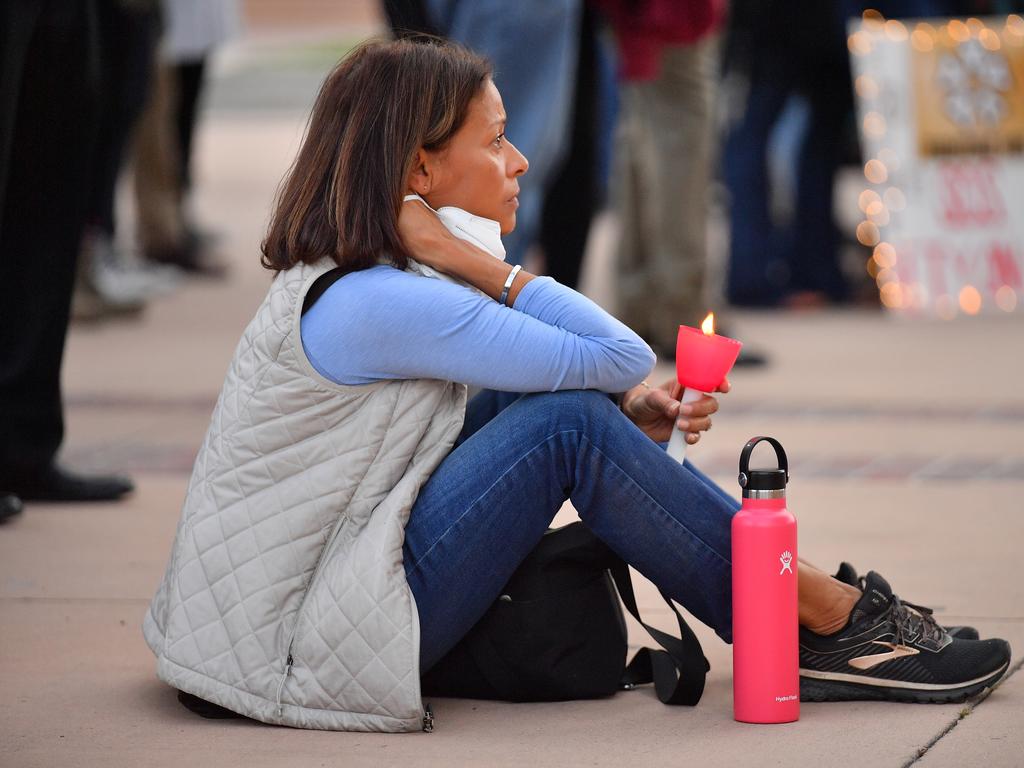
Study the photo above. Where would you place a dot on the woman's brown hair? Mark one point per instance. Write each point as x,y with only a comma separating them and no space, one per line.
379,105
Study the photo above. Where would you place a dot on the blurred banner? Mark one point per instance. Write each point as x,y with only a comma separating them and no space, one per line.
940,109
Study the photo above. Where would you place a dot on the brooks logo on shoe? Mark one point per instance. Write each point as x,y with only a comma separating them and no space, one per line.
873,660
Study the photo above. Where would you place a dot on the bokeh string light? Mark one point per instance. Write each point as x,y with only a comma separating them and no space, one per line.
970,300
875,171
894,199
874,124
975,26
989,39
885,255
867,233
866,198
958,31
1006,298
866,87
1015,26
895,31
923,37
859,43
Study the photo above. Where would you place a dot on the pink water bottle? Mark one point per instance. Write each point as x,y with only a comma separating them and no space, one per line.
765,628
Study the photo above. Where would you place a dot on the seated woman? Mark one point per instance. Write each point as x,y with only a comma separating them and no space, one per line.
350,516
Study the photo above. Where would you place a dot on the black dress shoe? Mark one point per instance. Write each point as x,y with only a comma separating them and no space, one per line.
10,505
57,484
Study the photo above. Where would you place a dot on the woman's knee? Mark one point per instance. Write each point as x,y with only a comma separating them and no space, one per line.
575,408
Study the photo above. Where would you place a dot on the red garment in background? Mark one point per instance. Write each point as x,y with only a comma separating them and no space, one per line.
644,27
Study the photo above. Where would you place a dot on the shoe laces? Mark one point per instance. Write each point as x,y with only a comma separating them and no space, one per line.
911,618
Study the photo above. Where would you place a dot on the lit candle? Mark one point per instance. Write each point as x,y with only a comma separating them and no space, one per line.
703,360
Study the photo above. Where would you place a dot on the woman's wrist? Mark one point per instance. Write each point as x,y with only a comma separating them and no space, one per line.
481,270
640,390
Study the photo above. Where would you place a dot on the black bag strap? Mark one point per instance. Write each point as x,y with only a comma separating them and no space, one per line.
678,671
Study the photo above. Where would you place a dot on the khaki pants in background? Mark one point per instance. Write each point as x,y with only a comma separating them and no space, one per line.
158,190
662,166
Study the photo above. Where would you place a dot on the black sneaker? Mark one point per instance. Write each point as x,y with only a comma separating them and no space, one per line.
848,575
888,651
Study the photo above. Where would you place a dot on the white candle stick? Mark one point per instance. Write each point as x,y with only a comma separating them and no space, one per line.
677,443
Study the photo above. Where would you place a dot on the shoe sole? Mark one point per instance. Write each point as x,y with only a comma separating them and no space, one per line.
814,686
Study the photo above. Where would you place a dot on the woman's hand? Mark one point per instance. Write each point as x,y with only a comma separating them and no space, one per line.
430,243
656,411
423,234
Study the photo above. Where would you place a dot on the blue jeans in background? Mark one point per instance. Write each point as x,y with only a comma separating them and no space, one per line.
518,458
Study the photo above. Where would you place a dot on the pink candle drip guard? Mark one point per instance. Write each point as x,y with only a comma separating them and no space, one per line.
702,361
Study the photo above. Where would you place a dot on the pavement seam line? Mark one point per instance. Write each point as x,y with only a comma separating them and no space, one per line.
964,712
83,599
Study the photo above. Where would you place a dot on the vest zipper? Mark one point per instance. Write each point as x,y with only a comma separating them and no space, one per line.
280,685
289,661
428,719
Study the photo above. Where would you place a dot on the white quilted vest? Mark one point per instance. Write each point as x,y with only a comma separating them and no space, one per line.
285,598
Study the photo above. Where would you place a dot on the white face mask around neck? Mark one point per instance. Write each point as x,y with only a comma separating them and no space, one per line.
481,232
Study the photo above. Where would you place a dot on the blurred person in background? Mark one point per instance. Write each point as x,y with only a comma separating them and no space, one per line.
109,282
167,228
48,121
786,53
663,157
579,186
535,48
783,48
579,175
665,150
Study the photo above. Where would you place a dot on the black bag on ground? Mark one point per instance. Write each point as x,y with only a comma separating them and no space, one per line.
557,632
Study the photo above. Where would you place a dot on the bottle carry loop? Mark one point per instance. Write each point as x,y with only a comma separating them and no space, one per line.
763,483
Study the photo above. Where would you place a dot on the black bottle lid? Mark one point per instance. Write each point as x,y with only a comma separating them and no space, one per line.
763,479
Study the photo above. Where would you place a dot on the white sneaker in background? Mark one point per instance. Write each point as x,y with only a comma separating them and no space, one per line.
119,279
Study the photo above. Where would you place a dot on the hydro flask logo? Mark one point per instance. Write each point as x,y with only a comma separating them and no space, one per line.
786,558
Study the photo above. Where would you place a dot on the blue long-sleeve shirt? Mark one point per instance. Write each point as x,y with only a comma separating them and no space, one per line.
383,323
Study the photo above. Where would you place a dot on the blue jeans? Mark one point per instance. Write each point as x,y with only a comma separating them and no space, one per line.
517,459
766,260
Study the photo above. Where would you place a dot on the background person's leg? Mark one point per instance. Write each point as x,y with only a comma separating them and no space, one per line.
189,75
756,272
48,135
679,112
573,197
17,26
489,502
128,37
815,264
161,231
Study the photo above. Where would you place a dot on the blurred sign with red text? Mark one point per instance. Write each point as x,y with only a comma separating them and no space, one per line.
940,106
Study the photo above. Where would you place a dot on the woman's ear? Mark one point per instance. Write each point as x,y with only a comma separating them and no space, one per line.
421,177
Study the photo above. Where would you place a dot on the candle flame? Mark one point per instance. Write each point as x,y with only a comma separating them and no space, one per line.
708,326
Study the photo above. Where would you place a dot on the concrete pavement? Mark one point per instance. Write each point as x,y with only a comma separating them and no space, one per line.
906,453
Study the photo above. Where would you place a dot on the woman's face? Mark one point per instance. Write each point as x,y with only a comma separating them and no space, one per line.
478,171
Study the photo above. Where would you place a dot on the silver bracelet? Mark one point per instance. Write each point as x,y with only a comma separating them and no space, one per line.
508,283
